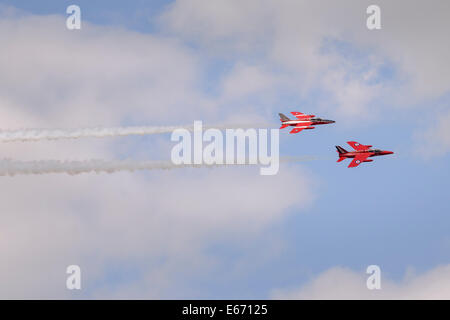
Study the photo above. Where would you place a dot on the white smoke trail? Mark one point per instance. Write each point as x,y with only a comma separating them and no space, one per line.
9,167
100,132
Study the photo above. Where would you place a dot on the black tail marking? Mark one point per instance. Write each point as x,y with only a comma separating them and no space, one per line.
341,150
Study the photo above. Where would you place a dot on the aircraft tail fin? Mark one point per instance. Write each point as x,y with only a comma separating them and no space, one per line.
283,117
340,150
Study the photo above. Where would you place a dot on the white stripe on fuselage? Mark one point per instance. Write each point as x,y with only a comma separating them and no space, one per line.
296,121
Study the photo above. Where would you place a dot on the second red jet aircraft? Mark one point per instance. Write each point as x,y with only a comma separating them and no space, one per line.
360,154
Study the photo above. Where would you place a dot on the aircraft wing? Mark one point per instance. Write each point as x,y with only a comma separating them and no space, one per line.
358,159
300,127
357,146
301,116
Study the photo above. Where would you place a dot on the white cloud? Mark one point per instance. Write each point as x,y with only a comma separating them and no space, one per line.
221,25
344,283
244,80
157,225
434,141
162,224
290,35
94,76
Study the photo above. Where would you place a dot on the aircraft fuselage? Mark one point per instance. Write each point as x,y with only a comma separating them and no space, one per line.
372,153
307,121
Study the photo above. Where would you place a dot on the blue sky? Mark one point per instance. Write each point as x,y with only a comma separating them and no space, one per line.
393,212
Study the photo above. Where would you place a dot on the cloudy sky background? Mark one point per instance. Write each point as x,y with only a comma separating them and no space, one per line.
308,232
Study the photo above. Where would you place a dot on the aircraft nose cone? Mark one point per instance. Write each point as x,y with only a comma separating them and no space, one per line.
331,121
389,152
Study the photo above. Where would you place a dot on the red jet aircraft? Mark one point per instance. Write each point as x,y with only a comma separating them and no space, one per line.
360,154
304,121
